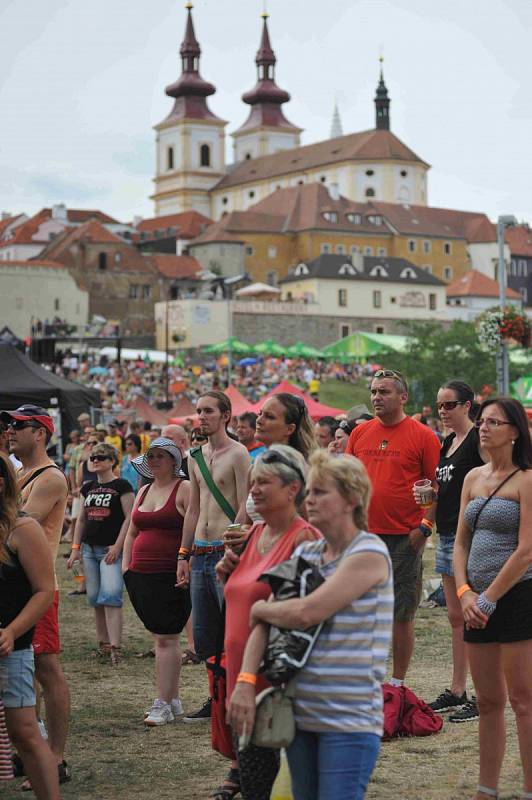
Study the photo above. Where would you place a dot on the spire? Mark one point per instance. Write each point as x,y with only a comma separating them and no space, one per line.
190,90
336,124
382,104
266,98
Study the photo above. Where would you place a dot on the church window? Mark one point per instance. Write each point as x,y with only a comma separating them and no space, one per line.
102,261
170,158
323,179
249,250
340,249
224,201
370,172
447,248
356,219
272,252
432,302
368,251
404,173
381,251
205,155
427,247
412,245
330,216
325,248
370,192
375,219
354,249
447,273
377,298
342,297
248,157
252,194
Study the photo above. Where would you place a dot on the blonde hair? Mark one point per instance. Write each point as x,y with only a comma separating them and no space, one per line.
292,468
105,449
350,478
9,505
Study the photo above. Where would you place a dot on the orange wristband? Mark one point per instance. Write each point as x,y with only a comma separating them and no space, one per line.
427,522
462,590
184,551
246,677
75,546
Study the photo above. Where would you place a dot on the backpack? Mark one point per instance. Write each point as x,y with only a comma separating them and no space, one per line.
406,715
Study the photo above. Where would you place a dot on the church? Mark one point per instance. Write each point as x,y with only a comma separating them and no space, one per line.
191,172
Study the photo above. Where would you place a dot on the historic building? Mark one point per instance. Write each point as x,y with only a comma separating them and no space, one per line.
190,143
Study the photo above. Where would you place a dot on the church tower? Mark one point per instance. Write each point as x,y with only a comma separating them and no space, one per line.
191,140
382,104
266,129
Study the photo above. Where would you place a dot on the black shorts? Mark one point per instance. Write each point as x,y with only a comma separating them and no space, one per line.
407,565
510,622
161,607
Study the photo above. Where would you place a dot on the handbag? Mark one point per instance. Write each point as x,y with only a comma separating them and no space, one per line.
275,724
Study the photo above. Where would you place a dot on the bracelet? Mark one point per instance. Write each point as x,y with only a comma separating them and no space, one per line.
462,590
425,530
75,546
184,551
183,557
246,677
427,523
486,606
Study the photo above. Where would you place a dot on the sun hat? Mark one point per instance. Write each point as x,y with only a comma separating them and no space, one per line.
141,462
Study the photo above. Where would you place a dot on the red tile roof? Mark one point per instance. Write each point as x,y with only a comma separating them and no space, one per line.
374,145
188,224
476,284
26,232
443,222
37,262
175,266
5,223
519,239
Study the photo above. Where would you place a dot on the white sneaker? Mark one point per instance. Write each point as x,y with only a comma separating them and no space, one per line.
177,709
160,714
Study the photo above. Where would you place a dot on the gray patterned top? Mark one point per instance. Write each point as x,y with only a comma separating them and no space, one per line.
494,539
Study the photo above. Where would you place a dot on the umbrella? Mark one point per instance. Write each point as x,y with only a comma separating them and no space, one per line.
247,362
237,347
269,348
302,350
98,371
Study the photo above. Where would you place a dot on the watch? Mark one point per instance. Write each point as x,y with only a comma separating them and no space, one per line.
182,557
425,530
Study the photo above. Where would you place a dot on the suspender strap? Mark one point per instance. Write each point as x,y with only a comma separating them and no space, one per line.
197,454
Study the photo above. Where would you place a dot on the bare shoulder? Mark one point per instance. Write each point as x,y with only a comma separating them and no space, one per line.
25,526
525,483
53,480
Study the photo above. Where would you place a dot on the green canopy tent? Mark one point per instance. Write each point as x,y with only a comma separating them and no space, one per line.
269,348
301,350
361,345
233,344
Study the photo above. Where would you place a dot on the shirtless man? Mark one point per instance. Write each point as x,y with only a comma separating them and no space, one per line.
205,522
44,498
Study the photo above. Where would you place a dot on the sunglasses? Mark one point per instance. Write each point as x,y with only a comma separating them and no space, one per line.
273,457
390,373
93,444
449,405
491,422
99,458
19,425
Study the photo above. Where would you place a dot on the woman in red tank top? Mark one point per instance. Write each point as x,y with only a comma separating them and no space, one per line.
149,565
277,489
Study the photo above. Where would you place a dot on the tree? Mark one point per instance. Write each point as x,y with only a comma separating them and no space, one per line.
435,356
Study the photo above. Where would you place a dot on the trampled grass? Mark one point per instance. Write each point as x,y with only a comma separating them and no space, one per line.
114,758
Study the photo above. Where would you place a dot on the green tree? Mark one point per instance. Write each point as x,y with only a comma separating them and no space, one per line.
435,356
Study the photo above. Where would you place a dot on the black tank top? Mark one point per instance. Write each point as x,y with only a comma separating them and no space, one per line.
15,593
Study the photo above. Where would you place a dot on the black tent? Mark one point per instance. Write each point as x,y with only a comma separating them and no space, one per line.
23,381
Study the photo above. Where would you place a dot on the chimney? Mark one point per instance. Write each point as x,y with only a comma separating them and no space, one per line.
334,191
59,212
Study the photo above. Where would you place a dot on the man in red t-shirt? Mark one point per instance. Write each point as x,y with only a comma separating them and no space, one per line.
397,451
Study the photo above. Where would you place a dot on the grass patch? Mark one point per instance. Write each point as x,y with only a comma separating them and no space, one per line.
344,395
114,758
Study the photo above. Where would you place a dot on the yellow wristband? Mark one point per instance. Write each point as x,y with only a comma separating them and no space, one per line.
246,677
462,590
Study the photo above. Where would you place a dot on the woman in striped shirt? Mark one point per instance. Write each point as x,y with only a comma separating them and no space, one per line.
338,696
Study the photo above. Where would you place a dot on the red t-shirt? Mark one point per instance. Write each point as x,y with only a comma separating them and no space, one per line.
395,456
243,589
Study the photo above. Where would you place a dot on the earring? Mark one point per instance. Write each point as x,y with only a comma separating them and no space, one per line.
513,442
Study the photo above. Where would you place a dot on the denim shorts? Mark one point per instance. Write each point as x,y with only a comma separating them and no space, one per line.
104,582
444,555
16,679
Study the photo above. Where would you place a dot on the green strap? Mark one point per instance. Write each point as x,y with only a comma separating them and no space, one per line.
197,454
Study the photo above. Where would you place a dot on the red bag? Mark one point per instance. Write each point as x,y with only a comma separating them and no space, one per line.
406,715
221,735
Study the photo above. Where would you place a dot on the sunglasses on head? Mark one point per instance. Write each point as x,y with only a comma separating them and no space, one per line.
449,405
273,457
19,424
99,457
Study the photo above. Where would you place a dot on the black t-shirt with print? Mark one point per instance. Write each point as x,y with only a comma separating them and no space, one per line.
450,474
103,511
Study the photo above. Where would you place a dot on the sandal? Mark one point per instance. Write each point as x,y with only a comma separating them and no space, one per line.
230,787
487,791
189,657
116,656
102,651
63,773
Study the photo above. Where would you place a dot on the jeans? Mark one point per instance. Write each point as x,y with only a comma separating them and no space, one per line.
329,766
207,596
104,582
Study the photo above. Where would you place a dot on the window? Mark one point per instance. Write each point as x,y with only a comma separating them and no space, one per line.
340,249
370,192
323,179
56,304
342,297
325,248
205,155
251,194
411,245
427,247
330,216
447,273
370,172
381,251
375,219
432,302
170,158
378,272
345,330
146,292
522,267
134,291
272,252
249,250
356,219
272,278
447,248
247,157
377,298
301,269
224,201
354,249
393,300
368,251
524,294
118,258
379,329
404,173
102,261
347,269
407,272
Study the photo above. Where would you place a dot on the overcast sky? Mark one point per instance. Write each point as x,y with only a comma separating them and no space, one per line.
82,84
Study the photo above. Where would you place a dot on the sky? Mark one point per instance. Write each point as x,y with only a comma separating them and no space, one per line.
82,84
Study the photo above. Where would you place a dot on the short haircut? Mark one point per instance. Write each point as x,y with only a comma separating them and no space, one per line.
285,472
250,417
104,449
328,422
350,478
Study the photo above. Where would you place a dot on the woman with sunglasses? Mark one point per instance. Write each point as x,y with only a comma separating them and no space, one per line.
459,455
493,570
149,564
99,539
277,489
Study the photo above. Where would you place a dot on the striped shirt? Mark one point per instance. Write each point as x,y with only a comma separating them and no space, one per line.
339,688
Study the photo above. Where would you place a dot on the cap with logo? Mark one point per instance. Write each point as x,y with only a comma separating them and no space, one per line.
27,413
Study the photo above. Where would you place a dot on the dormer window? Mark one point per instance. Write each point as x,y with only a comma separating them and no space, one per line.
330,216
356,219
408,273
301,269
378,272
347,269
375,219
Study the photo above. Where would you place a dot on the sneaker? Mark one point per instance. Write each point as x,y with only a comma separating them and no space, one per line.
447,701
160,714
177,708
467,713
203,715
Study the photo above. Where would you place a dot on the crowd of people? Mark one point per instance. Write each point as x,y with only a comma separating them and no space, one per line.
187,521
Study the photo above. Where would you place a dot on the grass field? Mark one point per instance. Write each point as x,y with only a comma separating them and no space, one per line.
344,395
114,758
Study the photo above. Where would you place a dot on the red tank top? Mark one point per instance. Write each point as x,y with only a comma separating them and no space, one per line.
159,538
243,589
